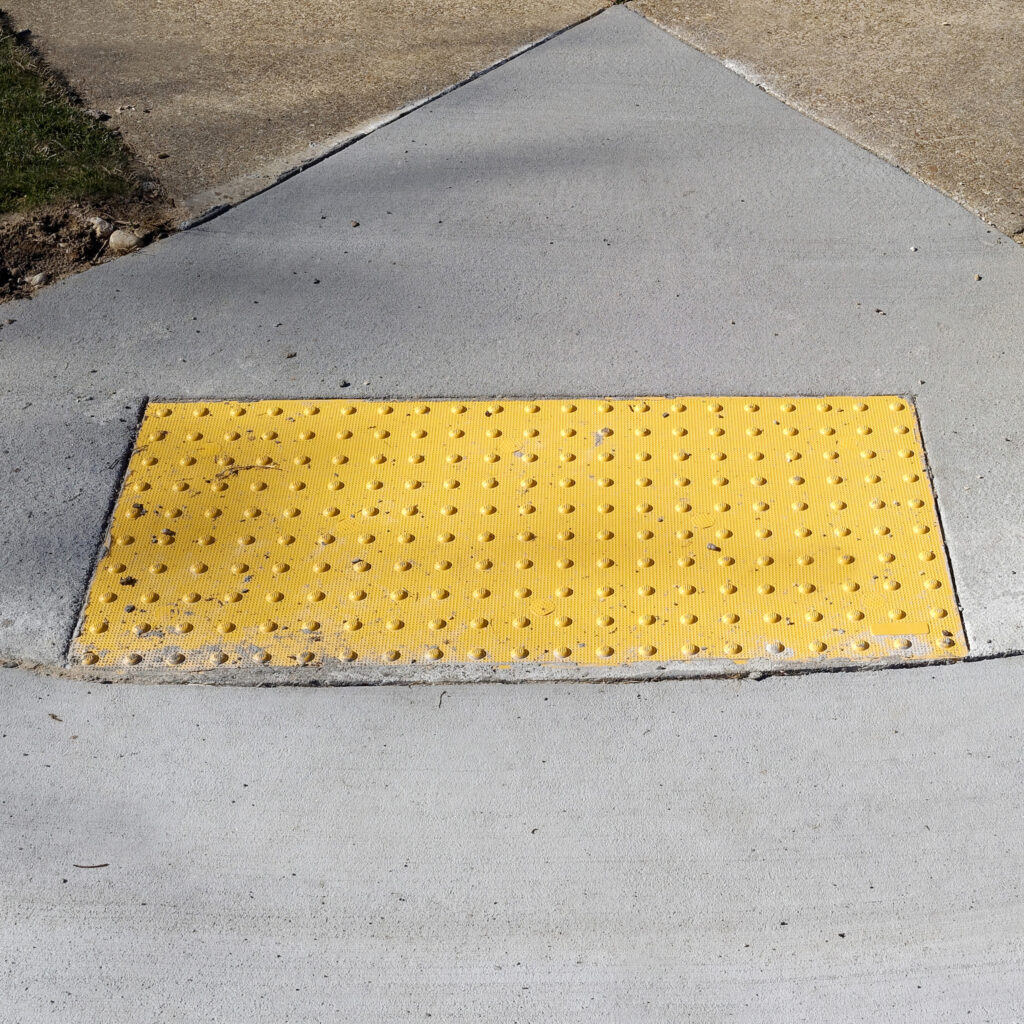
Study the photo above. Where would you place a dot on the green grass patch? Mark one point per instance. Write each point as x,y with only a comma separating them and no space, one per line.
51,151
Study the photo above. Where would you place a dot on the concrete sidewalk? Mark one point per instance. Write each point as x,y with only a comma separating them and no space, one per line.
611,213
219,97
824,849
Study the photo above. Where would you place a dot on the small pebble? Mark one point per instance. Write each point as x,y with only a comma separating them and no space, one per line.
977,277
101,227
38,280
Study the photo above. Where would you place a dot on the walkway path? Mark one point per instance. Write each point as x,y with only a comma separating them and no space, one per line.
609,213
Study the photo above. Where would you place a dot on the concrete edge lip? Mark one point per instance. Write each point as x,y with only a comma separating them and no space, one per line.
503,396
340,674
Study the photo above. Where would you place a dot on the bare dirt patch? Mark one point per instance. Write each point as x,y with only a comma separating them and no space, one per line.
72,194
47,244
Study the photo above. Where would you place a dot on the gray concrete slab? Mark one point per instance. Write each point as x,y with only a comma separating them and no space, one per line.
609,213
826,849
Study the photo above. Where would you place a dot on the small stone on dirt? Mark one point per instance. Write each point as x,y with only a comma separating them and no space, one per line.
59,241
38,280
123,241
101,227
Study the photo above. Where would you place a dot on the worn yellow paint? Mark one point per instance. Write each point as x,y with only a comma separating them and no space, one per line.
583,530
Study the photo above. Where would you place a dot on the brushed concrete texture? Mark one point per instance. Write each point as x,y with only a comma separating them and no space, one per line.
824,849
935,86
611,213
219,97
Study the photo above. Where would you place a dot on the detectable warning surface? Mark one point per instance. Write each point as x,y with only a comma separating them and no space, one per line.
581,531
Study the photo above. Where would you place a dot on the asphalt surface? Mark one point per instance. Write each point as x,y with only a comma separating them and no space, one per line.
611,213
826,849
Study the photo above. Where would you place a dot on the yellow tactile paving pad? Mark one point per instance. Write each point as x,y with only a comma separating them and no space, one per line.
584,531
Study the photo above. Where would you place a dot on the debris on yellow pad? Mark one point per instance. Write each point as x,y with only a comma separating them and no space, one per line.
576,530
